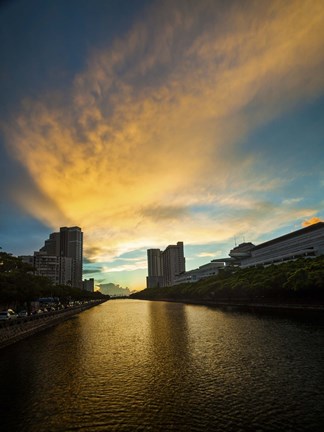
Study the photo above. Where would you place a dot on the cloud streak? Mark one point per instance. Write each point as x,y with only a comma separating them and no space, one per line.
158,116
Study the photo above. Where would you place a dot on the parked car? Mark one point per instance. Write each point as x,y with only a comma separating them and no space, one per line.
4,315
13,314
23,314
8,315
37,311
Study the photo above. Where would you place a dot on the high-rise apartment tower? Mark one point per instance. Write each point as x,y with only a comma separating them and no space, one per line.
164,266
61,257
155,268
71,246
173,263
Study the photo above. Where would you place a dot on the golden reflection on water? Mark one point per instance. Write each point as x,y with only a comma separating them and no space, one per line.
138,365
168,332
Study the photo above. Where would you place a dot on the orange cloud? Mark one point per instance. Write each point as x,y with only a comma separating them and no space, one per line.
150,118
311,221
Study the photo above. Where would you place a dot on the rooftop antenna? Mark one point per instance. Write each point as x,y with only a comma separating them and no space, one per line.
235,241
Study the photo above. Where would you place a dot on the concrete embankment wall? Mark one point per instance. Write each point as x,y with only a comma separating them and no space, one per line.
21,328
273,308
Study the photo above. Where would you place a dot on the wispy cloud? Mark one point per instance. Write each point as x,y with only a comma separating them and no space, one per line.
157,117
125,267
291,201
92,270
164,212
209,254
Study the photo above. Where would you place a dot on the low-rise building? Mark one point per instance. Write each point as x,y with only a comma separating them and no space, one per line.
203,272
307,242
88,284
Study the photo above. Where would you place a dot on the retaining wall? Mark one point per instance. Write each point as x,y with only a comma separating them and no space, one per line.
14,330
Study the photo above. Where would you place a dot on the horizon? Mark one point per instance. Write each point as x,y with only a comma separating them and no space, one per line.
151,122
105,287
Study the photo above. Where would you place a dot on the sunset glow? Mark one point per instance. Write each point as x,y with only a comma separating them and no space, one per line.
195,123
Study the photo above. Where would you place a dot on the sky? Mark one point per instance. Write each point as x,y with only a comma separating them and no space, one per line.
148,122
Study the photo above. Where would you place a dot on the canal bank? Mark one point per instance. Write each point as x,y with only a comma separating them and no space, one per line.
21,328
274,308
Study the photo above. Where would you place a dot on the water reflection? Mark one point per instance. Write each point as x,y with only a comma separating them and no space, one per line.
168,333
171,375
40,381
135,365
246,359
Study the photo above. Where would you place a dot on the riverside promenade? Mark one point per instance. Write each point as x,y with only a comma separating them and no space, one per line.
14,330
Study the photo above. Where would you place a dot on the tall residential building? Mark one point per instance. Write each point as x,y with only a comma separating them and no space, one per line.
60,259
66,270
52,245
47,265
164,266
173,263
155,268
71,246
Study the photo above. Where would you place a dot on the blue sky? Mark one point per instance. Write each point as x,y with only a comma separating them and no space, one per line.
151,122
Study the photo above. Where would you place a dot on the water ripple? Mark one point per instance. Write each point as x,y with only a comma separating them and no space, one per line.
141,366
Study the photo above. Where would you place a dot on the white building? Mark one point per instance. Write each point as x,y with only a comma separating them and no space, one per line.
307,242
203,272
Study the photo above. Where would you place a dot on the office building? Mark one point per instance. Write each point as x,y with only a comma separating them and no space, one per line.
307,243
304,243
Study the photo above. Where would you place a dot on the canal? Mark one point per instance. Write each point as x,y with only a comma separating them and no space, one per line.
132,365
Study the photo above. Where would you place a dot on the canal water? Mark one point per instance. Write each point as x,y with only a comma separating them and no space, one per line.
132,365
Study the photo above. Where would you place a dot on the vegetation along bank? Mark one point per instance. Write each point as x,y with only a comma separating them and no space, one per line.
43,303
291,284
